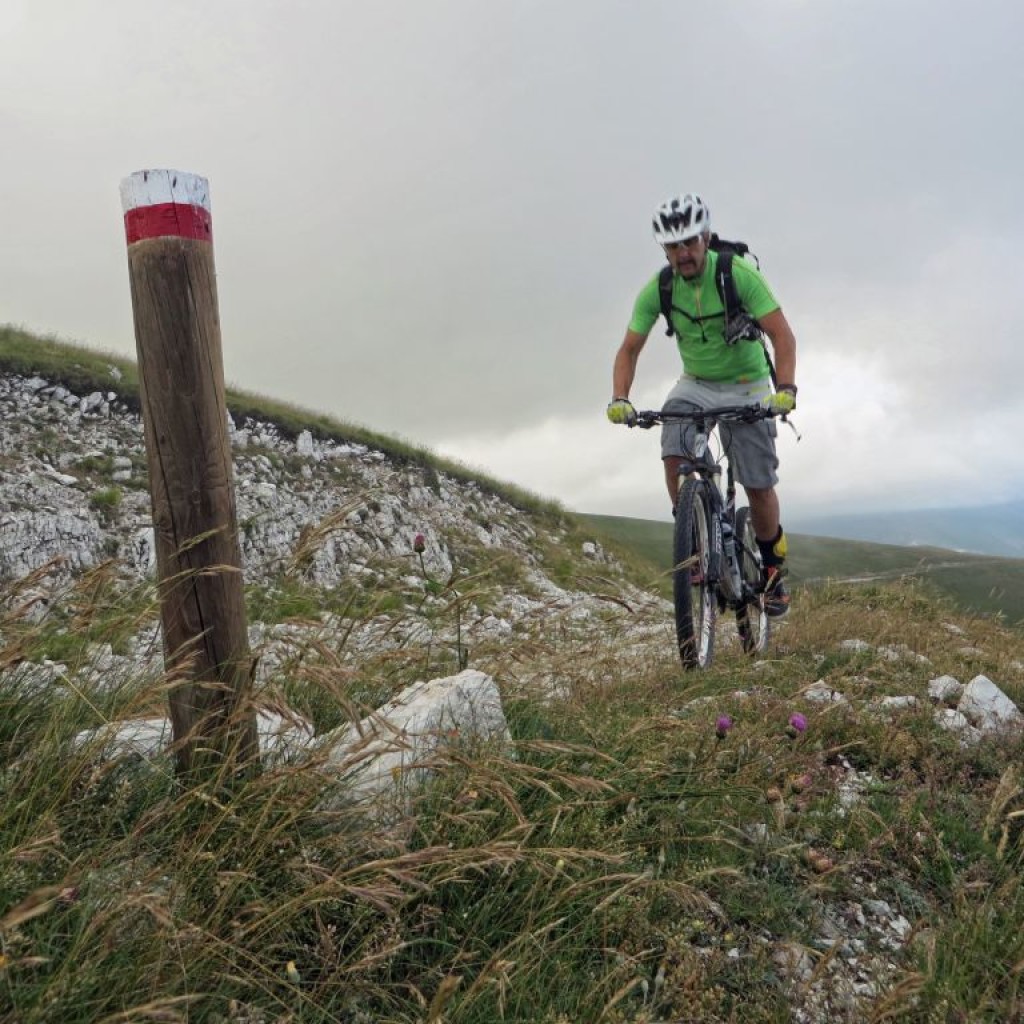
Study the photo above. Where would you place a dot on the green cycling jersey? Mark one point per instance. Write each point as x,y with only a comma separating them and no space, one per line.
702,341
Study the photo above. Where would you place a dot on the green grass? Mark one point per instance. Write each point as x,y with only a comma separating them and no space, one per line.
649,538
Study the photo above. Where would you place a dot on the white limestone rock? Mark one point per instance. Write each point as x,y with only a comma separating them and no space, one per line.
283,737
388,749
279,737
901,652
945,690
93,402
855,646
304,445
140,551
821,693
987,708
47,518
898,703
954,721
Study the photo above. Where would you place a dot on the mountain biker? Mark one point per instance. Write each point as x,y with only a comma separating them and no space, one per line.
716,373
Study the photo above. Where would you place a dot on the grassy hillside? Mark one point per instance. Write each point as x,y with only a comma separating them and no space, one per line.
82,370
993,529
990,585
978,583
645,846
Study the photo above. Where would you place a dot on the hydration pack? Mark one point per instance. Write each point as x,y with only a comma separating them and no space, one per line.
739,324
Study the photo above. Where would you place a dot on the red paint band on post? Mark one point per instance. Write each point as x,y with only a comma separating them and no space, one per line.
168,220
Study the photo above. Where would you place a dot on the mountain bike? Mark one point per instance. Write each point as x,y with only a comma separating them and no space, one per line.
716,560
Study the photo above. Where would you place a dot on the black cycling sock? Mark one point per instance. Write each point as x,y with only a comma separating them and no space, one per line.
769,555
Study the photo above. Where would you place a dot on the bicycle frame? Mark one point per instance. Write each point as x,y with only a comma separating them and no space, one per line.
725,569
700,463
729,576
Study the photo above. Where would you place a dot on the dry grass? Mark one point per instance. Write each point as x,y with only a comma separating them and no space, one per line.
621,862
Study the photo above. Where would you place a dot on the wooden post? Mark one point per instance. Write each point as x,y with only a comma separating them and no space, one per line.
181,381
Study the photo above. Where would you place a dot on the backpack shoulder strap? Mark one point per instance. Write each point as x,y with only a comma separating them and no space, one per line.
727,292
726,285
665,297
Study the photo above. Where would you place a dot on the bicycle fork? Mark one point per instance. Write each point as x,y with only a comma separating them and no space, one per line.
724,568
724,563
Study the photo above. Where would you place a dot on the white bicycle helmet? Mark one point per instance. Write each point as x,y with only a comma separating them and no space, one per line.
681,218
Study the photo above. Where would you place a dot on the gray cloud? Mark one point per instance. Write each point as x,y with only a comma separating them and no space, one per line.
432,219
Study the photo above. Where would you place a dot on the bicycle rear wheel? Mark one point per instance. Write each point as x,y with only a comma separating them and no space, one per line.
752,623
691,585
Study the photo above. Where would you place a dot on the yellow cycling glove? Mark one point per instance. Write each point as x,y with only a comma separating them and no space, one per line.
783,401
620,410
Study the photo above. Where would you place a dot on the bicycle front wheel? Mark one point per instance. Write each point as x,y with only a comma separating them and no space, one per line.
752,622
691,583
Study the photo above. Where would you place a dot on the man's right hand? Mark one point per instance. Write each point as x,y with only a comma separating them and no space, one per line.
621,411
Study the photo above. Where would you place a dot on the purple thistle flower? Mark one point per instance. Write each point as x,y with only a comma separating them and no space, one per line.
797,724
722,726
419,543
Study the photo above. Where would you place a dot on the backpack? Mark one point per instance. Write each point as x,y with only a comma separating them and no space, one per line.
739,324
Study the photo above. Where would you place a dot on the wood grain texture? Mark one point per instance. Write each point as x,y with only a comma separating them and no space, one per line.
177,331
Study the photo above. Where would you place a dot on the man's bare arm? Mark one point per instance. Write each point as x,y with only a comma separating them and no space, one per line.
780,334
624,369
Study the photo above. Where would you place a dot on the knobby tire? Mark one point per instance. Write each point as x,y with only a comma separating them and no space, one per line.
691,585
752,623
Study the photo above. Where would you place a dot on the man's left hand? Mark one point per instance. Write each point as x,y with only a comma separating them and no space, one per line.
621,411
782,401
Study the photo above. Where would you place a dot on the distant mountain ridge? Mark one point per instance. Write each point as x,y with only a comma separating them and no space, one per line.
986,529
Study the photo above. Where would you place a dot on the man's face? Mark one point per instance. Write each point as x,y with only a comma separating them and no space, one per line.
687,258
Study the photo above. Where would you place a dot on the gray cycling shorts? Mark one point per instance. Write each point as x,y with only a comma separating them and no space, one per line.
750,447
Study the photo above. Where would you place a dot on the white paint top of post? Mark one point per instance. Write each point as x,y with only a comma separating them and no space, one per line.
155,188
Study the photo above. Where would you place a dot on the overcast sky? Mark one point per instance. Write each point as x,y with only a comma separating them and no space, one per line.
433,218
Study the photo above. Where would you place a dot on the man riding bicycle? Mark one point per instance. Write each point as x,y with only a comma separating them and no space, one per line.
716,372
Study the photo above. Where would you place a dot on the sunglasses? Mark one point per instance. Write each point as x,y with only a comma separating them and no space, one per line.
690,243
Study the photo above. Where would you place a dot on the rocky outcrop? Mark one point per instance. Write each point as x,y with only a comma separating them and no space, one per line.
319,513
73,487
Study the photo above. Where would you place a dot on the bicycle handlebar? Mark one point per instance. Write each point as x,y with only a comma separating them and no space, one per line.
647,418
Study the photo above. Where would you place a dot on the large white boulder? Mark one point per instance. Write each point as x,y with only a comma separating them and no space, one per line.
389,749
987,708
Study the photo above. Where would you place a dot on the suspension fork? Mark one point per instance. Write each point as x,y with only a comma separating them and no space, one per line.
694,464
727,554
740,546
730,493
